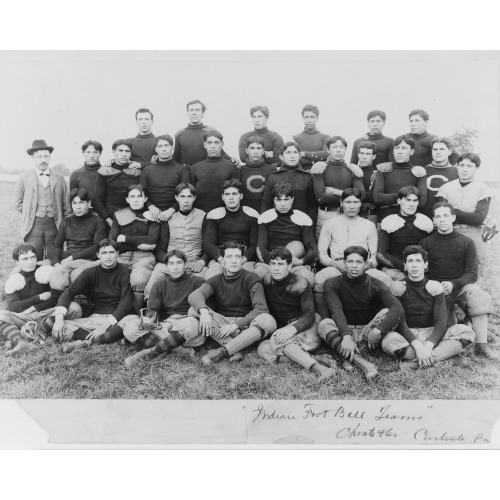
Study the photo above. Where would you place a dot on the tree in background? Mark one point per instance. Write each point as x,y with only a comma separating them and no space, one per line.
463,140
62,169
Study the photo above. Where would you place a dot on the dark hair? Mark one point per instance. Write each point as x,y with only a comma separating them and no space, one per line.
175,253
402,138
185,185
139,188
213,133
21,249
334,139
351,192
363,252
420,112
143,110
442,140
107,242
121,142
368,145
407,190
281,254
164,137
231,244
254,138
376,112
288,144
196,101
81,193
283,189
415,249
263,109
473,157
311,108
97,145
443,204
231,183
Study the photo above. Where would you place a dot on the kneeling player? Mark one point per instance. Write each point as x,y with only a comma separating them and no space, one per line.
422,335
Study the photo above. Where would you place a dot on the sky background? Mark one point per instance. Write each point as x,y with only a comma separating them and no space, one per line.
67,98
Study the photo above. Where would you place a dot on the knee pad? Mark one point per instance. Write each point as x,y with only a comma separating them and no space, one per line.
265,322
59,279
475,301
74,311
325,327
296,248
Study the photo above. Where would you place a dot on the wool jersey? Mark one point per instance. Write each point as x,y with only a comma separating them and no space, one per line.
135,227
253,178
313,144
86,178
384,148
423,149
436,177
272,142
143,148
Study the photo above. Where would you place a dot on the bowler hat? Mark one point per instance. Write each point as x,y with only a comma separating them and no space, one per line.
37,145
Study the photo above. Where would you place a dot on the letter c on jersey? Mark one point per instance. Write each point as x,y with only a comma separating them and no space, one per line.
256,180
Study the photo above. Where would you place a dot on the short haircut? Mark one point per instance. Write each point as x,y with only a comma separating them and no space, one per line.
213,133
175,253
363,252
263,109
334,139
231,244
81,193
164,137
402,138
121,142
107,242
143,110
185,185
420,112
415,249
196,101
281,254
351,192
443,204
376,112
407,190
254,138
312,108
442,140
231,183
22,249
473,157
97,145
139,188
288,144
368,145
283,189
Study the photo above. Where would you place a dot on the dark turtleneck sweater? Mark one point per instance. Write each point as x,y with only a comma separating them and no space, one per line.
143,148
138,231
189,148
253,176
170,296
272,142
86,178
313,144
452,257
290,301
355,301
207,177
422,310
336,175
436,177
160,180
384,148
241,296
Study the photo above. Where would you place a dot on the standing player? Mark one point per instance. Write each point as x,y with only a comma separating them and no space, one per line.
86,176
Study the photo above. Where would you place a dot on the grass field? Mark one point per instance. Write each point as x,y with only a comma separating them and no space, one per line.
99,372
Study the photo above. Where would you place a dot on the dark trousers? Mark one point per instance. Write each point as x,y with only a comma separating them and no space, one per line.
42,234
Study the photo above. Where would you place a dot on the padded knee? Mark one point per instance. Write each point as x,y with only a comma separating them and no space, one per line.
74,311
266,323
475,301
296,248
265,352
325,327
59,278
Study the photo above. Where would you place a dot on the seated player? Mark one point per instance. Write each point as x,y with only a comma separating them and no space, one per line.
168,303
453,263
182,232
291,303
392,176
339,233
233,222
361,311
397,231
422,335
30,299
239,317
107,285
283,226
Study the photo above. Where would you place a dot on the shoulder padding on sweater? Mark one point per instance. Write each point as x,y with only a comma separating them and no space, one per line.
251,212
392,223
125,216
387,166
267,279
355,169
301,219
398,288
134,172
423,222
217,213
318,168
42,274
106,171
268,216
15,283
434,287
298,287
418,171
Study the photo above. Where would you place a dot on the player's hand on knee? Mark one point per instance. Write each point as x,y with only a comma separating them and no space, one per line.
348,347
373,338
284,334
205,327
226,330
58,328
101,329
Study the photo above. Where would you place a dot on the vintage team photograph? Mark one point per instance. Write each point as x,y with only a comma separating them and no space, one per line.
250,225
